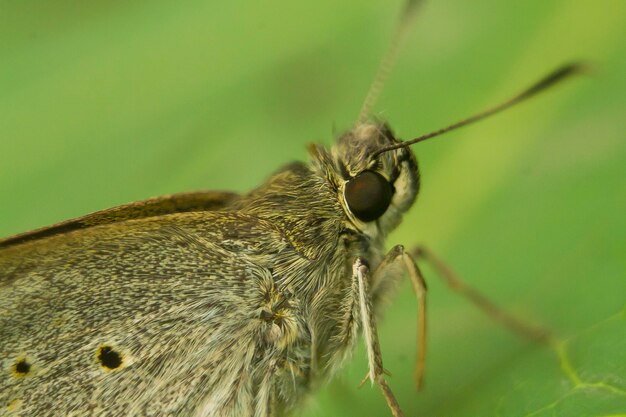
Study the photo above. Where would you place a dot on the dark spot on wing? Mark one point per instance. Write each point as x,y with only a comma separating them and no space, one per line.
109,358
21,367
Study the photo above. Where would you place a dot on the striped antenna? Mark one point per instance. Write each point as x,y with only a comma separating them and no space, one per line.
550,80
389,59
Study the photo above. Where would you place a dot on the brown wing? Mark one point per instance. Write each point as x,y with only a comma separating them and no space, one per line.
157,206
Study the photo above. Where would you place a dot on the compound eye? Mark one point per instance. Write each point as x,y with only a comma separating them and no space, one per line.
368,195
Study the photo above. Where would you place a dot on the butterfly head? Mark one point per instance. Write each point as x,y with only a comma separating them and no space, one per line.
375,189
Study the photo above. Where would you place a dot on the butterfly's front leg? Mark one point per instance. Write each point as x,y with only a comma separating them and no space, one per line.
362,278
391,270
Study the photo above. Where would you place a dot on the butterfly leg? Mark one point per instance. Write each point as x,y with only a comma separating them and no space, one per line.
361,274
384,279
483,303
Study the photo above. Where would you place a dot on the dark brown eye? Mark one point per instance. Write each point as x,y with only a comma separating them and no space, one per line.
368,195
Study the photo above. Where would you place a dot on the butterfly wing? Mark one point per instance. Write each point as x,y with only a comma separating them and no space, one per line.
144,316
157,206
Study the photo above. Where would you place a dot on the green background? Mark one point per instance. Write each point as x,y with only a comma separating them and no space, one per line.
102,103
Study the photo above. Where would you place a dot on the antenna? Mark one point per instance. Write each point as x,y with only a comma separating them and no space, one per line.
543,84
389,58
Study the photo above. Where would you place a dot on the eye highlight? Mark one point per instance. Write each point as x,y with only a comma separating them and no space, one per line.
368,195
